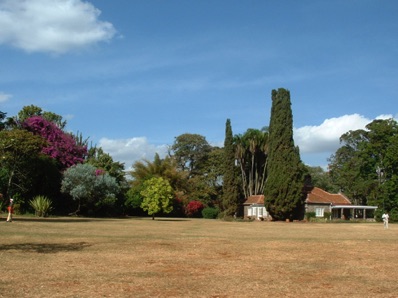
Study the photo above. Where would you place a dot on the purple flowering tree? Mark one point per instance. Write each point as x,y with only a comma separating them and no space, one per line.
60,145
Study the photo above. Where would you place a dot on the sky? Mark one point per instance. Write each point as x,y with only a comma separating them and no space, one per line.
132,75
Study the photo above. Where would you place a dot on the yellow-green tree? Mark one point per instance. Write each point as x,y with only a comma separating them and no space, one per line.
158,196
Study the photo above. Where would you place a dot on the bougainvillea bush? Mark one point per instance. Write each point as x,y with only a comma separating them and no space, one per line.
194,209
60,145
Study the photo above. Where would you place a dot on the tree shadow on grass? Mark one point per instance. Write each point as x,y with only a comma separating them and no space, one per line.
90,219
148,218
171,219
63,219
45,248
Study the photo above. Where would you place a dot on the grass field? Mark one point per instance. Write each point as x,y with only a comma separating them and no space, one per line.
139,257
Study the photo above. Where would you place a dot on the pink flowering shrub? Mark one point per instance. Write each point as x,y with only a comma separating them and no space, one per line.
60,145
99,172
194,209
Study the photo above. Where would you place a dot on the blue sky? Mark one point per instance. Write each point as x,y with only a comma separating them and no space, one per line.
133,75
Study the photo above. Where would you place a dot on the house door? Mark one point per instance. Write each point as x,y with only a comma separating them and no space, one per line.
335,213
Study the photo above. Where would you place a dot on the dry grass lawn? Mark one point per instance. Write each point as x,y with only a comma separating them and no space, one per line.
138,257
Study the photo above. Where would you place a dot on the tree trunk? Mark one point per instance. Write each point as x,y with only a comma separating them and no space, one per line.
77,210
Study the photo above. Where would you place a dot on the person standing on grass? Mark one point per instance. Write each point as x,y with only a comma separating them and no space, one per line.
10,211
385,218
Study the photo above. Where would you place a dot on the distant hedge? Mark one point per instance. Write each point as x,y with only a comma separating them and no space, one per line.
210,212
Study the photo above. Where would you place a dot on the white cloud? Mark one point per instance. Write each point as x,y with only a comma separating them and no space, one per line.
4,97
130,150
386,116
68,117
55,26
316,143
325,138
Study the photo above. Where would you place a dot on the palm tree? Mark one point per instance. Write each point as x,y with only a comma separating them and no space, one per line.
251,150
165,168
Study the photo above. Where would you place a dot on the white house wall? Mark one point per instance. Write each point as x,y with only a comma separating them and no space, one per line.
256,211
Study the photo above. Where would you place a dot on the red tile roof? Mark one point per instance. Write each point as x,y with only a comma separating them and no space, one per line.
319,196
257,199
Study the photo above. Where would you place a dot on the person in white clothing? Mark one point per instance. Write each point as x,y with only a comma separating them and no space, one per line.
385,218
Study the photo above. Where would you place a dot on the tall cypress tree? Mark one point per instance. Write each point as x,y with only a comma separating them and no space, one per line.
283,193
230,198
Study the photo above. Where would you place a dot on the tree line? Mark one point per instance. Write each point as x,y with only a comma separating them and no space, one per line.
39,158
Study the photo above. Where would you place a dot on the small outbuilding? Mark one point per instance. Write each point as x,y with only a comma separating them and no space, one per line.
254,208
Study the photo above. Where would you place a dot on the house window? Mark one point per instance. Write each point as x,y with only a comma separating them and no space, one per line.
249,211
319,212
260,212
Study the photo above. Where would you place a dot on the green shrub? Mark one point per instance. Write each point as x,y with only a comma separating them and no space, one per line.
17,208
210,212
318,219
327,215
393,215
310,215
19,205
41,205
378,214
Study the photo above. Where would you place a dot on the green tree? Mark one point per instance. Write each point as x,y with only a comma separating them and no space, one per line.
44,179
320,178
32,110
365,167
207,186
2,118
199,188
158,196
145,169
190,152
230,195
101,160
165,168
213,173
283,191
201,164
90,187
251,152
346,167
379,151
133,200
19,152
